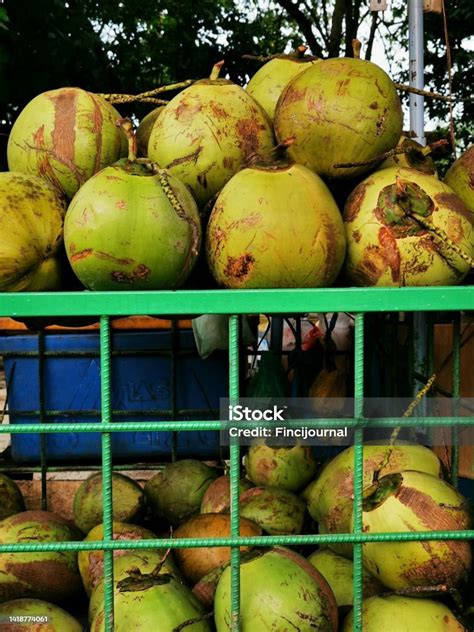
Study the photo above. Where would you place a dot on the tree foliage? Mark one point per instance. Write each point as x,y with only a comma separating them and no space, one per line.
133,45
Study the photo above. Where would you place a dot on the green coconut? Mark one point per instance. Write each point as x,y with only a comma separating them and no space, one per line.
11,498
65,135
38,616
330,497
128,501
279,591
207,132
415,156
267,84
115,243
176,493
460,177
91,563
275,225
52,576
338,571
407,228
339,110
416,502
217,496
31,227
404,614
144,130
285,468
277,511
146,598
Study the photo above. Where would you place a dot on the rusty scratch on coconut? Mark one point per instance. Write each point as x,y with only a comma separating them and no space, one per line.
64,130
390,251
141,272
354,201
239,267
83,254
97,121
247,130
455,203
192,157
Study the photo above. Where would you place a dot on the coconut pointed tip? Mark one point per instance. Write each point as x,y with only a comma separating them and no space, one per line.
287,142
301,50
126,125
216,69
356,46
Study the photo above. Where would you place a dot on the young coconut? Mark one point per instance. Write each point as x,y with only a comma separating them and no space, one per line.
65,135
285,468
338,571
217,496
277,511
330,497
339,110
271,601
395,613
416,502
275,224
49,575
460,177
31,227
128,501
407,228
267,84
115,243
147,598
144,130
207,132
11,498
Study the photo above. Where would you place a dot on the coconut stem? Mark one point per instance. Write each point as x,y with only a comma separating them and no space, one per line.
300,51
129,98
162,175
356,46
189,622
126,126
389,154
216,70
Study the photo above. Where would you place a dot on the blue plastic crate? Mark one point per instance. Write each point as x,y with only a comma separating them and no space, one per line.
141,386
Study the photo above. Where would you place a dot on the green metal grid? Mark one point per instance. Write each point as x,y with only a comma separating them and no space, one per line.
233,303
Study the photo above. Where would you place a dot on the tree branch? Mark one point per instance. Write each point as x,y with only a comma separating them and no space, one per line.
373,31
336,28
304,24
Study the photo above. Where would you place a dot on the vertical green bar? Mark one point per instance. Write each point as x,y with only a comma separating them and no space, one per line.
106,472
456,379
358,465
234,473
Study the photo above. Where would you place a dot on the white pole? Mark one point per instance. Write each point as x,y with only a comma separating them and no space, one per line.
417,63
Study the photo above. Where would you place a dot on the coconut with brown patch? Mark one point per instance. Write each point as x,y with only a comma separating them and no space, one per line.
330,497
207,132
147,597
217,496
410,502
52,576
31,233
128,501
340,110
277,511
280,590
285,468
275,224
132,227
91,563
65,136
195,562
406,228
460,177
11,498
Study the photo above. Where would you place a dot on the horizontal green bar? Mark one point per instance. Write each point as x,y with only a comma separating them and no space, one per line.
118,413
282,540
285,301
184,426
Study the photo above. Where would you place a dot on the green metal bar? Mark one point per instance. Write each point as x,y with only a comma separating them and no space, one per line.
166,302
42,419
456,383
169,426
234,474
266,541
358,467
107,498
